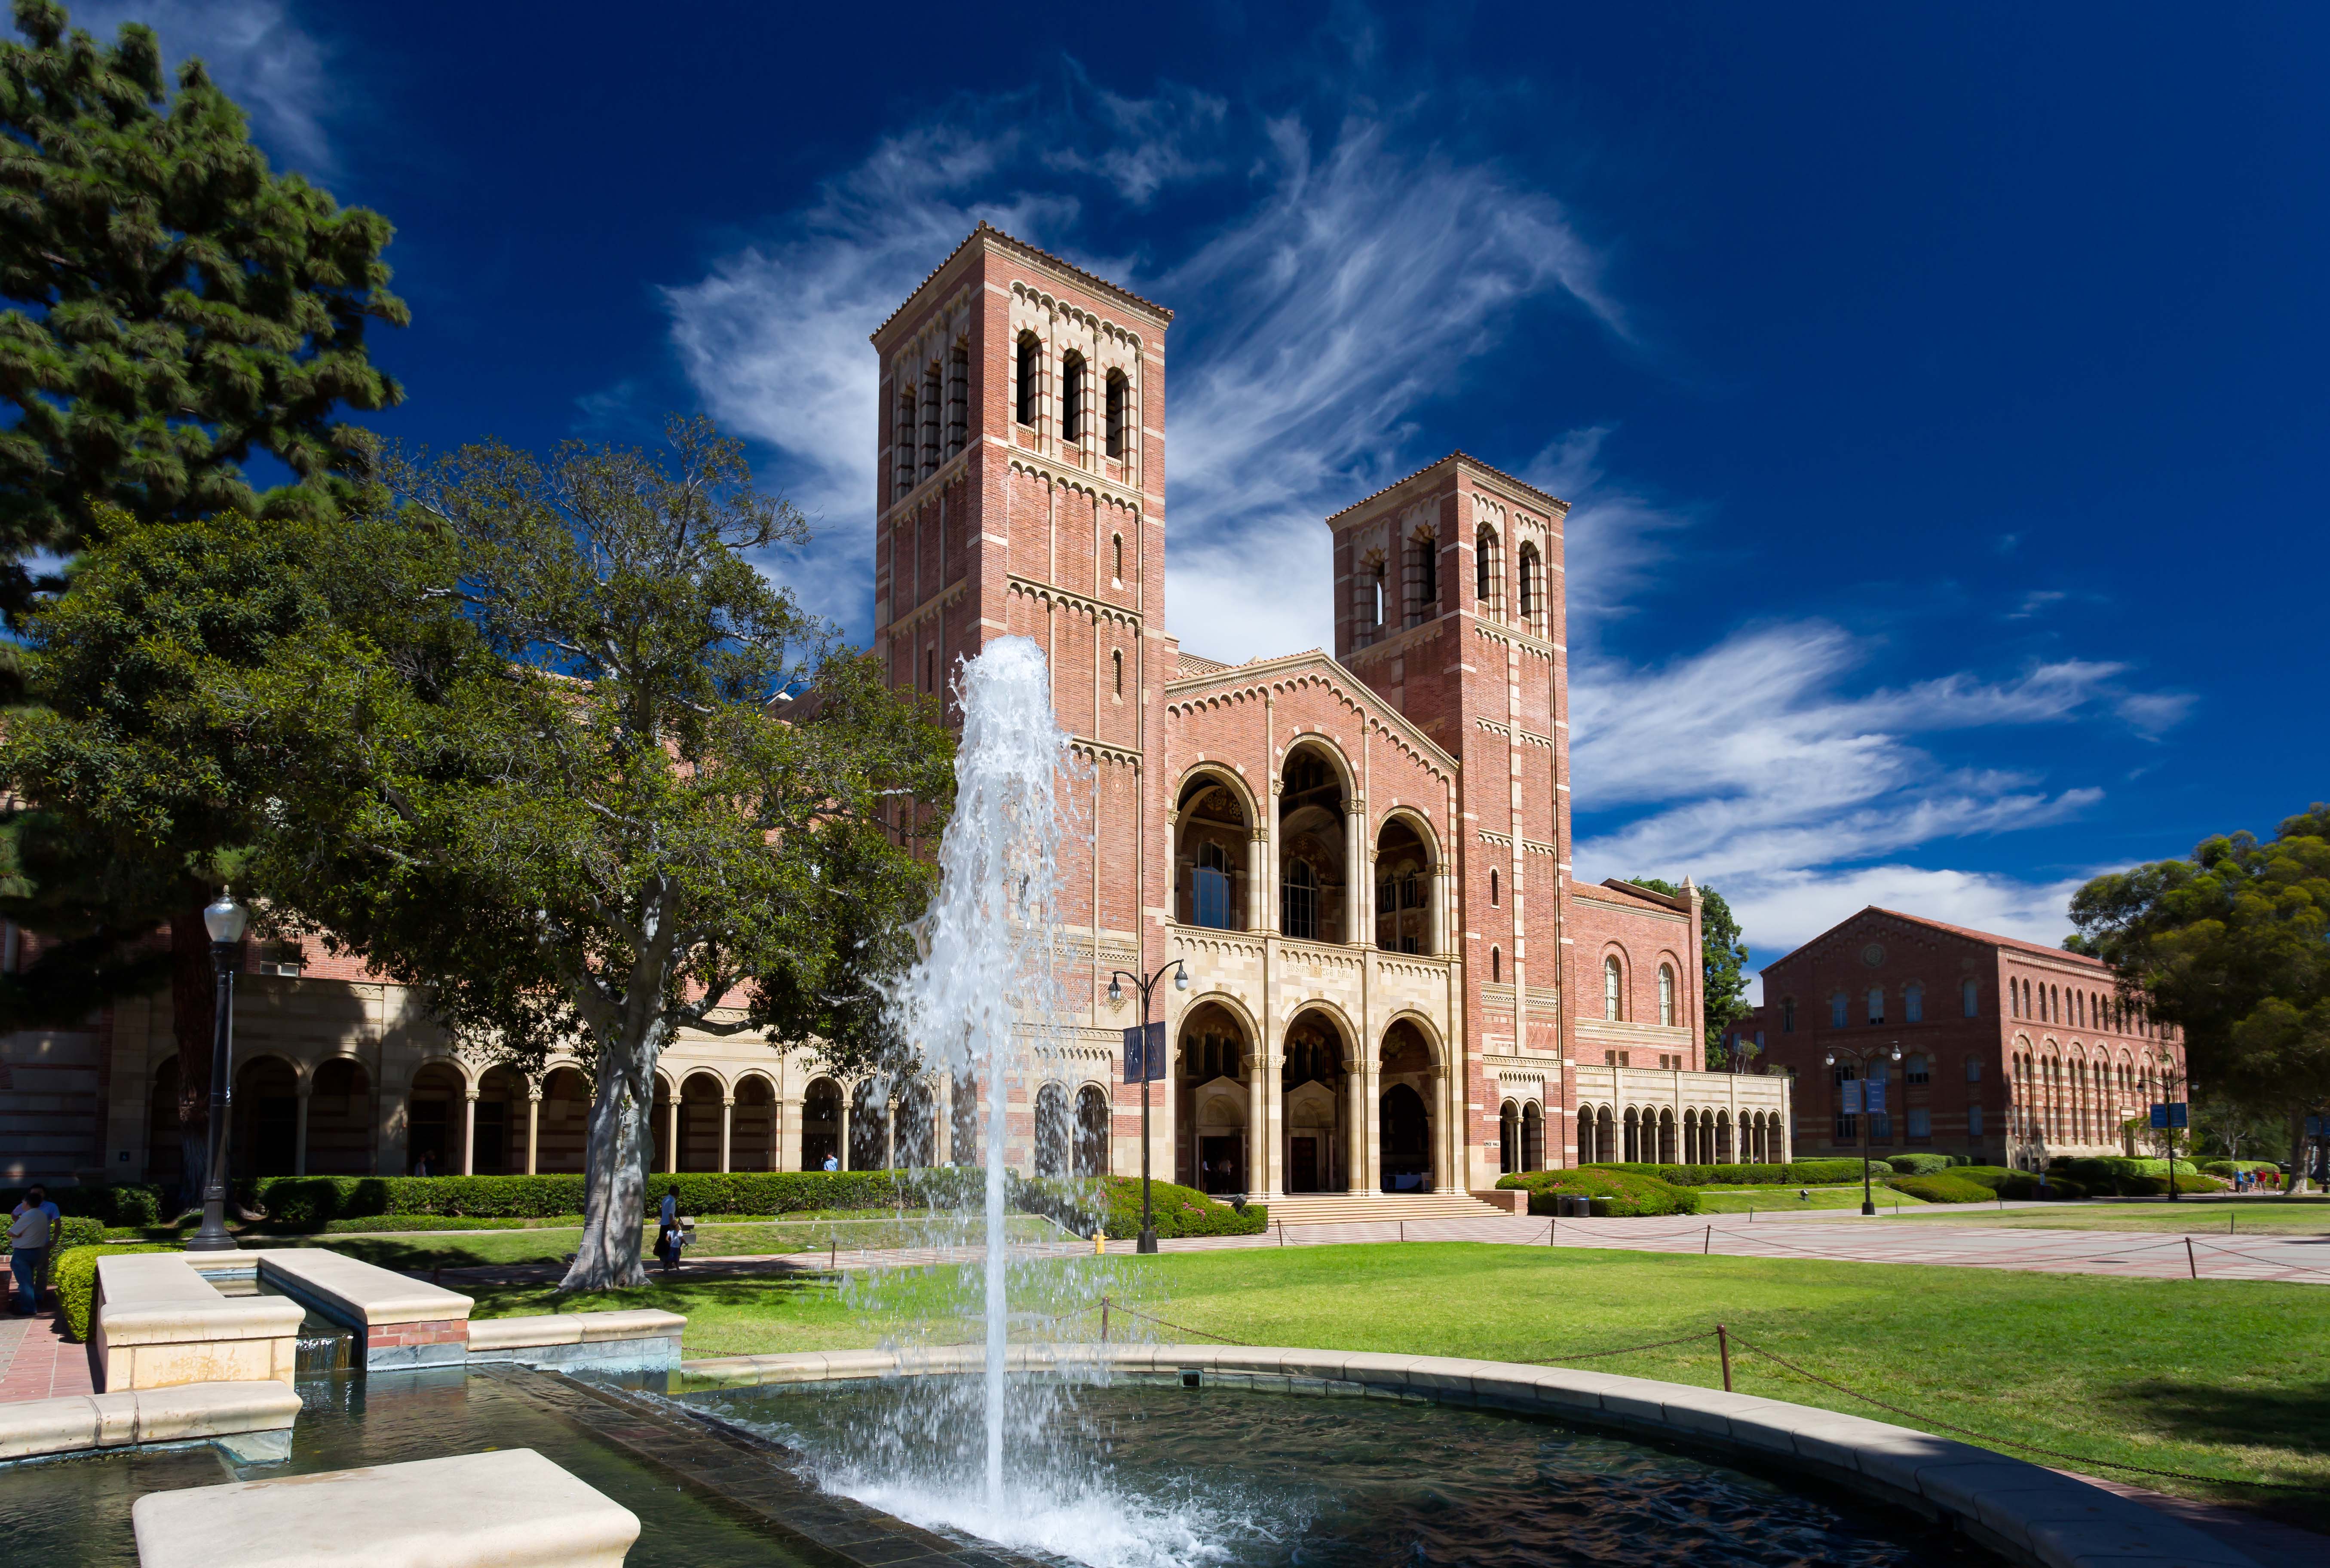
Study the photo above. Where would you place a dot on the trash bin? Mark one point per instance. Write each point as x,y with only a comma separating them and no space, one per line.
1601,1208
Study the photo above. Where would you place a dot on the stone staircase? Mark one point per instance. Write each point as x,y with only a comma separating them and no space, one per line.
1352,1208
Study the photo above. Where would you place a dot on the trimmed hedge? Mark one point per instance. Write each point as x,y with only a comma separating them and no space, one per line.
2016,1184
2231,1166
1800,1173
1941,1189
1920,1163
309,1203
74,1275
119,1203
1113,1203
2156,1186
1630,1192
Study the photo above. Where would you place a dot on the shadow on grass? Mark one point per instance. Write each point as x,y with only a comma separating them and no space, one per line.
2284,1418
677,1295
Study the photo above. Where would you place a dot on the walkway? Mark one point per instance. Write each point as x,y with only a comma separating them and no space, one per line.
38,1362
2304,1260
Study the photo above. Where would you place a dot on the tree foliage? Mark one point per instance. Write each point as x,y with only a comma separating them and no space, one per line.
1722,961
2231,944
172,305
586,773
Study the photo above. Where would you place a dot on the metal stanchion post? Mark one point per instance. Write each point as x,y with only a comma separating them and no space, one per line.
1723,1346
2191,1265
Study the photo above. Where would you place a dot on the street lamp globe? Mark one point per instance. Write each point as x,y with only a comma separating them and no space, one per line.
1829,1060
1180,977
1896,1052
1116,991
225,920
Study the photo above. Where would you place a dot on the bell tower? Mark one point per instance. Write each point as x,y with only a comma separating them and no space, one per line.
1019,490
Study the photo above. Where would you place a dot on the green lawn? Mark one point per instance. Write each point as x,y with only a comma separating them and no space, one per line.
2223,1379
2202,1217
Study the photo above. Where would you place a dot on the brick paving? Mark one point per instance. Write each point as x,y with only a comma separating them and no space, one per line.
38,1362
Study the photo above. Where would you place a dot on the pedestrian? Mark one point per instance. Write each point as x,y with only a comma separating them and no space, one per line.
420,1166
668,1239
29,1232
830,1164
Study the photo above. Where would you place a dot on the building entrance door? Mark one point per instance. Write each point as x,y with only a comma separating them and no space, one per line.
1302,1165
1222,1164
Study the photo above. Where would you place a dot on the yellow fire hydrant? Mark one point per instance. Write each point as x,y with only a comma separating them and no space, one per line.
1100,1243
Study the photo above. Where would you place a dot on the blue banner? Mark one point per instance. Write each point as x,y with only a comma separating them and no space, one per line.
1875,1095
1155,1054
1849,1102
2177,1114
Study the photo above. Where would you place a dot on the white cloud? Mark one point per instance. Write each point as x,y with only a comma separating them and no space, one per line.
1347,286
255,51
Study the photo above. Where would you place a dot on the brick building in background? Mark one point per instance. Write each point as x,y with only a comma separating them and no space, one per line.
2012,1053
1362,858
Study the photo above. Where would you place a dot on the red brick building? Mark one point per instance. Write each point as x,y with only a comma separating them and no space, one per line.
1363,858
2012,1053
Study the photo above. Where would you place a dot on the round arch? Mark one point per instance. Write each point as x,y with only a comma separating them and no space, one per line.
1093,1118
264,1117
1424,1027
823,1115
1223,774
1312,741
563,1121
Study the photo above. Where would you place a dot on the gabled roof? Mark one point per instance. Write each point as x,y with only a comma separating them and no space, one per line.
1033,254
1990,938
1378,709
1553,503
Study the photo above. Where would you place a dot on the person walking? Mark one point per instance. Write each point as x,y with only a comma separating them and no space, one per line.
831,1163
30,1229
668,1239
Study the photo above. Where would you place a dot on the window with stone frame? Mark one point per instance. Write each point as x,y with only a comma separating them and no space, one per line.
1299,902
901,438
1876,1004
1612,988
958,399
1532,587
934,403
1119,395
1423,576
1072,397
1488,572
1666,995
1031,365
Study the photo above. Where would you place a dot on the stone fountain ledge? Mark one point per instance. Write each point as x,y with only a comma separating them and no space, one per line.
2026,1513
251,1421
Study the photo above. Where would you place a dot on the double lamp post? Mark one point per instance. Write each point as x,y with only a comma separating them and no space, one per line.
1144,1057
1861,1116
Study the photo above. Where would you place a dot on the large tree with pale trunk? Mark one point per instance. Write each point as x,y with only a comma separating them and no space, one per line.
587,774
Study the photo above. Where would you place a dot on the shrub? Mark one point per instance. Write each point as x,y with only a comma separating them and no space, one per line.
2225,1167
2155,1186
2016,1184
1919,1163
1630,1192
309,1203
1113,1203
74,1275
125,1204
1941,1189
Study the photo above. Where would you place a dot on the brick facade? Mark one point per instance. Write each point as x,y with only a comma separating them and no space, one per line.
2012,1053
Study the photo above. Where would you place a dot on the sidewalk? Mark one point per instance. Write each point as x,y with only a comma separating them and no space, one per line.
38,1362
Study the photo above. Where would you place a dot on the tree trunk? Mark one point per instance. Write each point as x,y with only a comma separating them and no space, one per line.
193,1018
2296,1182
615,1167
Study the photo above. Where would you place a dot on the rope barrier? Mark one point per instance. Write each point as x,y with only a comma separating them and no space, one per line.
1176,1327
2010,1443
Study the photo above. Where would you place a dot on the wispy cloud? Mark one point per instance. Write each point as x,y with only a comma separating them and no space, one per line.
1348,283
256,51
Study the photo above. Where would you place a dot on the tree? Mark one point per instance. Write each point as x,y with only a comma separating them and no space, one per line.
169,307
2231,945
557,777
1722,962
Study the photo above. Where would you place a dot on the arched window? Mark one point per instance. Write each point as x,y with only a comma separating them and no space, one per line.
1117,658
1837,1007
1970,1000
1876,1004
1497,964
1116,557
1913,1003
1422,577
1493,887
1031,361
1211,897
1533,576
1488,572
1613,985
933,395
1666,995
1072,397
958,408
902,440
1300,893
1114,413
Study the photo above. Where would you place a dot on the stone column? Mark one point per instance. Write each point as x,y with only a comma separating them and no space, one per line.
1355,872
299,1138
1455,1144
469,1132
1355,1129
1257,880
671,1132
1434,902
534,1130
943,1121
788,1132
1257,1122
842,1159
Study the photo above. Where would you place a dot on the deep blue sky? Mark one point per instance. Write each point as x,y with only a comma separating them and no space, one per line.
1943,396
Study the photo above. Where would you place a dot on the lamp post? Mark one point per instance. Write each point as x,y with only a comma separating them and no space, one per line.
225,920
1892,1054
1148,1242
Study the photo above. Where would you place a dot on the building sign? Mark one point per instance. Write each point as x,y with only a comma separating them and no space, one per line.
1850,1091
1155,1054
2176,1115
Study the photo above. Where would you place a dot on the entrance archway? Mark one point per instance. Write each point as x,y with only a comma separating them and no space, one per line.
1314,1096
820,1124
869,1125
562,1131
339,1120
432,1121
1092,1130
1051,1131
1210,1099
1314,886
1532,1137
265,1117
1404,1109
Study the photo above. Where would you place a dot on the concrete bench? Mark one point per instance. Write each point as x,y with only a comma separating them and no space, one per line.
159,1324
604,1341
406,1322
260,1414
509,1509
